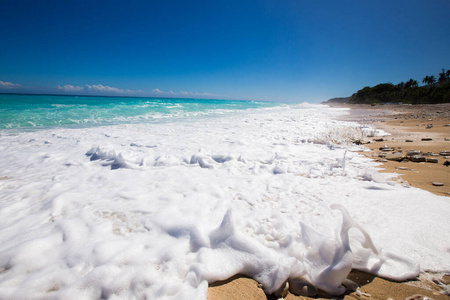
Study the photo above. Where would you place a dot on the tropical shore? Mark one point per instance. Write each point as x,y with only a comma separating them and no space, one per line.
421,128
417,133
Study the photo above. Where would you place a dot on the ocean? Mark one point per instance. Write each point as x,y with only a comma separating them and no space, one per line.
22,111
136,198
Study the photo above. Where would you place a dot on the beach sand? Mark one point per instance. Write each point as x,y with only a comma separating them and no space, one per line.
370,287
411,128
408,125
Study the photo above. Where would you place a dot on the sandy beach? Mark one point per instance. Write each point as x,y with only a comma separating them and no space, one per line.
422,129
164,209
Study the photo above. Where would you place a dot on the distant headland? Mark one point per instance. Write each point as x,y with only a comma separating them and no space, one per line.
409,92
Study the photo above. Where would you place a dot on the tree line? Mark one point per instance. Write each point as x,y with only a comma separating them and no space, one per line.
431,80
436,90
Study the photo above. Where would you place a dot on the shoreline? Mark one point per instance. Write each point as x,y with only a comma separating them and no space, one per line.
405,123
422,130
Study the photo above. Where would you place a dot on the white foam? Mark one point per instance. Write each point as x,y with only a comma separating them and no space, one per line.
161,210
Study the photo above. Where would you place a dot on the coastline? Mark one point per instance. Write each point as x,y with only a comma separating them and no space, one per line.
424,129
407,126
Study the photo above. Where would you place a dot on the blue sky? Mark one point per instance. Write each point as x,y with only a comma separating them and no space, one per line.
264,50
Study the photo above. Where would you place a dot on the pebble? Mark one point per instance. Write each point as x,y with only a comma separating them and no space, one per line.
386,149
432,160
429,126
435,183
409,141
282,291
418,158
301,287
413,152
427,139
445,153
403,168
350,285
395,156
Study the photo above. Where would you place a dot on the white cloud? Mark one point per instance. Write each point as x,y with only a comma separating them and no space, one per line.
105,88
98,89
8,85
70,88
183,93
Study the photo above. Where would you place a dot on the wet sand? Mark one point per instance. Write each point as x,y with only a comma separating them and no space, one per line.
424,128
370,287
408,125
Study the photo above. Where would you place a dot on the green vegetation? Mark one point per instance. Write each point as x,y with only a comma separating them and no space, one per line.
339,100
407,92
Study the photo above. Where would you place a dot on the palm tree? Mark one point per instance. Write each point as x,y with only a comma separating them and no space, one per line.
411,83
429,80
442,76
432,80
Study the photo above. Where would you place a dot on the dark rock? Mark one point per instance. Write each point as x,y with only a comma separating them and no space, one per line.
301,287
282,291
413,152
395,156
418,158
360,142
432,160
350,285
383,154
426,139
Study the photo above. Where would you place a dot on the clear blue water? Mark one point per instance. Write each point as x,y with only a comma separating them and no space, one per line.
39,111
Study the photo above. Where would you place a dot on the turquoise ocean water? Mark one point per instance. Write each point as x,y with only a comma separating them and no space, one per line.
43,111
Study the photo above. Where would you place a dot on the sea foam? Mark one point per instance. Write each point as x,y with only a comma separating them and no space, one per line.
160,210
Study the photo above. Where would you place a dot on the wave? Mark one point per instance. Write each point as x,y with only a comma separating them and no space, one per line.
159,210
50,111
